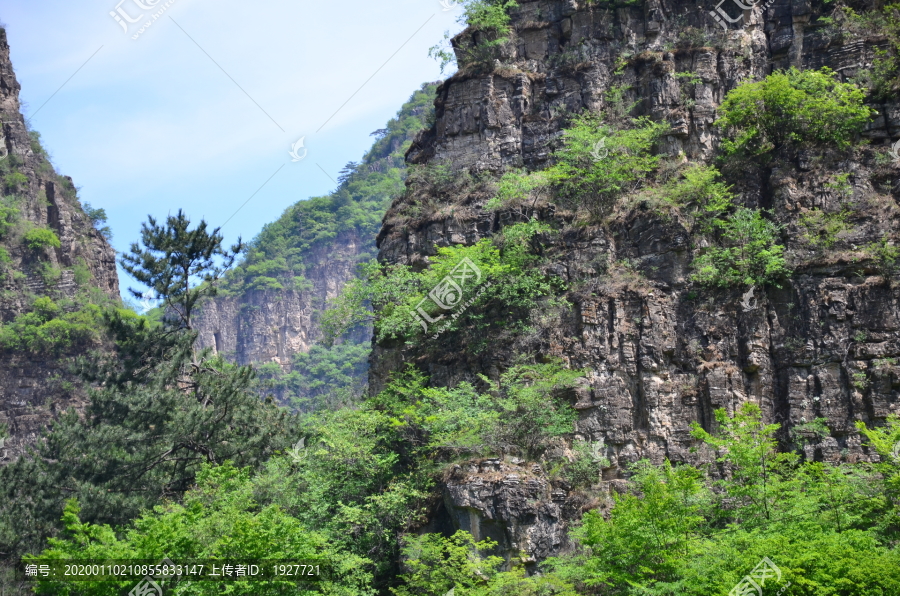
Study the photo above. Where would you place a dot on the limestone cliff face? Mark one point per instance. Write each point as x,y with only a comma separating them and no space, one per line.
274,325
659,354
34,388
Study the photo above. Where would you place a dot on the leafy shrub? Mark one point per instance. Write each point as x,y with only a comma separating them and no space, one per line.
792,108
47,329
15,181
589,460
81,273
749,254
699,195
885,255
516,185
395,296
9,215
530,413
98,218
822,229
40,238
597,164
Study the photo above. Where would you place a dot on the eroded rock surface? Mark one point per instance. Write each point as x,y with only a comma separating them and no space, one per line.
660,354
33,389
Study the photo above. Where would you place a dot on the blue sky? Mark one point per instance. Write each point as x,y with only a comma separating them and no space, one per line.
153,124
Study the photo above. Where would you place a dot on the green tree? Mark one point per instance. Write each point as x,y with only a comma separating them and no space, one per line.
749,254
179,264
791,108
219,520
649,532
748,448
436,564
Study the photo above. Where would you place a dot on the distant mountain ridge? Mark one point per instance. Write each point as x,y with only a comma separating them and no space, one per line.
268,311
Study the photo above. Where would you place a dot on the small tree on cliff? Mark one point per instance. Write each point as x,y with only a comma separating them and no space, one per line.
179,264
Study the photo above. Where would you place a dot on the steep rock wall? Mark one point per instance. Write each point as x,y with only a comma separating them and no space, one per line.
33,389
272,326
659,356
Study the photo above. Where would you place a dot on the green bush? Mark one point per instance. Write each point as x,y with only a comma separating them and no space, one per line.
584,470
597,164
41,238
15,181
792,108
885,255
218,520
822,229
9,215
47,329
748,255
394,295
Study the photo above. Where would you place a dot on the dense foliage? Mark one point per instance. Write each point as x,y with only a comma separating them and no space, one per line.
502,272
791,108
596,165
325,377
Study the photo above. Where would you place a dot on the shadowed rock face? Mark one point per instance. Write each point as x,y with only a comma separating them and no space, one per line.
33,389
660,354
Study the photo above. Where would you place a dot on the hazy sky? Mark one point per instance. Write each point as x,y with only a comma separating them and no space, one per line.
203,107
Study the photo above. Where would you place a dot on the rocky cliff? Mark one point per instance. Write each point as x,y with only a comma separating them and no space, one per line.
35,386
269,310
660,353
264,325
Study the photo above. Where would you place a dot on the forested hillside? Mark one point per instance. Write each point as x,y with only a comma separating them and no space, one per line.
269,308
